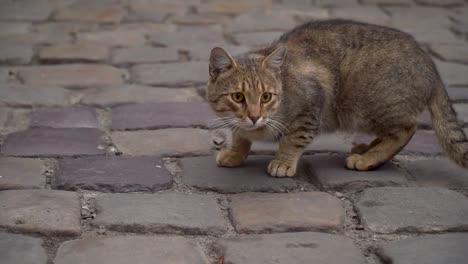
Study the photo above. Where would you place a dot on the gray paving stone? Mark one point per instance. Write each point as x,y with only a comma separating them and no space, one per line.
161,115
65,117
393,209
165,142
336,3
452,73
55,142
157,11
290,248
262,21
18,173
452,52
441,3
16,54
95,11
112,174
202,51
329,173
119,37
32,95
78,52
283,212
462,112
124,94
419,18
40,211
232,8
162,213
429,249
458,94
13,28
203,173
144,55
368,14
35,38
437,173
388,2
14,119
21,249
29,10
130,249
255,39
184,38
171,74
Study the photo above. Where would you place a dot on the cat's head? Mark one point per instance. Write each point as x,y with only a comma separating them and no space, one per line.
245,91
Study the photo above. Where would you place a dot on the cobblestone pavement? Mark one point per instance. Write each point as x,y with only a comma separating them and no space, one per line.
105,158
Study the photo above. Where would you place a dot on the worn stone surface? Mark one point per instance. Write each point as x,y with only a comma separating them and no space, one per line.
162,213
167,142
171,74
203,173
95,13
54,142
429,249
462,112
13,119
33,95
114,38
72,75
437,173
130,249
290,248
229,7
368,14
262,21
18,173
202,52
282,212
185,38
161,115
254,39
458,94
21,249
329,173
124,94
393,209
144,55
452,73
14,28
90,52
40,211
113,174
65,117
16,54
29,10
452,52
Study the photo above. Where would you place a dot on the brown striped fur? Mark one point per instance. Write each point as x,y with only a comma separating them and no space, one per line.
328,76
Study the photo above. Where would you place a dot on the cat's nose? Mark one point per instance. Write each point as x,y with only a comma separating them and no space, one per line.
254,119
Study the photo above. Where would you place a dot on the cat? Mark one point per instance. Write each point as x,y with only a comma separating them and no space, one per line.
325,76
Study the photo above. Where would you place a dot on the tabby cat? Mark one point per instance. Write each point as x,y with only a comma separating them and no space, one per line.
325,76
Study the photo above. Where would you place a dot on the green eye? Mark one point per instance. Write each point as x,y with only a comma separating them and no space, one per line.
266,97
238,97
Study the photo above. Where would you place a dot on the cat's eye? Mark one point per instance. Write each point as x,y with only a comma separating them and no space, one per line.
266,97
238,97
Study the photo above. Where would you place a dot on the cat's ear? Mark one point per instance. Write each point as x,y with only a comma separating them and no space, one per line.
220,61
275,59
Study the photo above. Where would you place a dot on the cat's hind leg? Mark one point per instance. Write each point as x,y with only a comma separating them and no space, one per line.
381,150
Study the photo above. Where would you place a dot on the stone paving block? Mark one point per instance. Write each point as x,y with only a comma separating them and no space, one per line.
40,211
232,8
17,119
28,10
90,52
130,249
63,27
458,94
418,17
21,249
13,28
462,112
283,212
202,52
124,94
394,209
425,120
65,117
197,19
114,38
262,21
161,115
94,12
437,173
158,11
445,3
290,248
388,2
203,173
429,249
304,15
452,73
166,142
16,54
171,74
113,174
18,173
329,173
187,37
72,75
144,55
336,3
452,52
51,142
368,14
34,38
145,27
33,95
162,213
255,39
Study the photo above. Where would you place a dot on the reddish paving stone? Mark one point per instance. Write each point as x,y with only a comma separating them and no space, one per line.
197,19
119,37
289,248
90,52
166,142
16,54
394,209
161,115
162,213
19,173
50,142
112,174
33,95
255,39
171,74
96,13
329,173
35,38
65,117
130,249
21,249
232,8
157,11
144,55
184,38
72,75
40,211
283,212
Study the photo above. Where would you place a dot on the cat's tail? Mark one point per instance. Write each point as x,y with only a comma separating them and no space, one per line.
446,126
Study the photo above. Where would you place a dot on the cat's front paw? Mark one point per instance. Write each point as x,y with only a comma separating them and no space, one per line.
279,168
361,163
229,158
